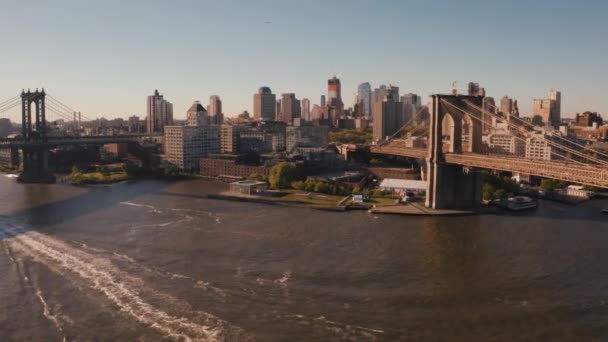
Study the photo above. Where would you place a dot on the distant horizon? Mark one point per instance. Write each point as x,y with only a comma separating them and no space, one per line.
104,59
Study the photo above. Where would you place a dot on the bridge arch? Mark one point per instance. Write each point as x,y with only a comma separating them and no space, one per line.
448,127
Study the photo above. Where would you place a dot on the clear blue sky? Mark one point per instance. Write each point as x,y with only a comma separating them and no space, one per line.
105,57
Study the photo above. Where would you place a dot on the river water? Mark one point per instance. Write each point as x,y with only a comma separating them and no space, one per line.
155,261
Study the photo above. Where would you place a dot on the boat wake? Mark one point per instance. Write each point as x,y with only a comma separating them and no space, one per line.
125,291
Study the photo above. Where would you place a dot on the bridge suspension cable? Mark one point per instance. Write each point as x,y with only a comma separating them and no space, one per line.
414,117
9,104
556,135
515,136
549,141
67,108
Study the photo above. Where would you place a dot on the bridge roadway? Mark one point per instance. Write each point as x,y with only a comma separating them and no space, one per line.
570,172
63,141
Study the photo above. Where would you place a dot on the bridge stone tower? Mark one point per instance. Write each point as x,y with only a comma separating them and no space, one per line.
453,186
35,158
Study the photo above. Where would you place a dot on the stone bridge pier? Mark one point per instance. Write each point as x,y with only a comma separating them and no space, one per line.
452,131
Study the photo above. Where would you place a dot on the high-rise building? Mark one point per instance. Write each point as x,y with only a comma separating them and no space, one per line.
410,105
364,99
379,94
387,118
548,111
334,89
290,108
306,135
160,113
556,116
323,101
305,109
196,115
186,145
264,105
216,117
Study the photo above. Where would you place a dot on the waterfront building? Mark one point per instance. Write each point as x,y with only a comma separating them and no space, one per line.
216,117
230,168
264,104
537,148
159,113
504,142
230,137
184,146
306,135
588,119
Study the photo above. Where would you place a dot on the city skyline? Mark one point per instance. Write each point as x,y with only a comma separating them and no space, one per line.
108,71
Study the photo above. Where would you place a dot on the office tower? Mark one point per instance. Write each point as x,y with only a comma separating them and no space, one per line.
506,106
379,94
387,118
264,105
306,109
556,115
547,112
186,145
473,88
160,113
290,108
364,98
334,89
216,117
322,100
197,115
410,104
278,111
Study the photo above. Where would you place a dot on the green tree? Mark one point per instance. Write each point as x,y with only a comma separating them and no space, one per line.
488,191
282,174
310,185
322,187
257,177
501,194
356,190
75,170
551,184
377,193
298,185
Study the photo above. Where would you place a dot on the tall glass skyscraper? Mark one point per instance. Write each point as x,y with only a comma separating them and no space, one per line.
364,95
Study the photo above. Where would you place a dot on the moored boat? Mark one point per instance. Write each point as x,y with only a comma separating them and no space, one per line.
521,203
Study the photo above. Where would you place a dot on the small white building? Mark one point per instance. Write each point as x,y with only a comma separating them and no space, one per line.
403,185
248,187
578,191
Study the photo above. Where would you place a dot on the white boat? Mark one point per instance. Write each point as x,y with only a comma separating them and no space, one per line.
521,203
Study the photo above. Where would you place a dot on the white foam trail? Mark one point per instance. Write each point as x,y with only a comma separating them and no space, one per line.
151,207
345,331
165,274
47,313
284,279
118,287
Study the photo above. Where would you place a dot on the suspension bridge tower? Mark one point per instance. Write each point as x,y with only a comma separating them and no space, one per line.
35,156
452,131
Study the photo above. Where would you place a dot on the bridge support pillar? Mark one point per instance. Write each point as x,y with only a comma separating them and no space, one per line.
453,187
36,167
14,161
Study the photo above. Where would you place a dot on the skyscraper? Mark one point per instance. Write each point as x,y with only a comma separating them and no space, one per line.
290,108
322,100
197,115
160,113
364,98
387,118
334,90
556,116
410,104
216,117
264,104
306,109
379,94
548,111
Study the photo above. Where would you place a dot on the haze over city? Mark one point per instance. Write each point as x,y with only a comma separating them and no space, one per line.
105,58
